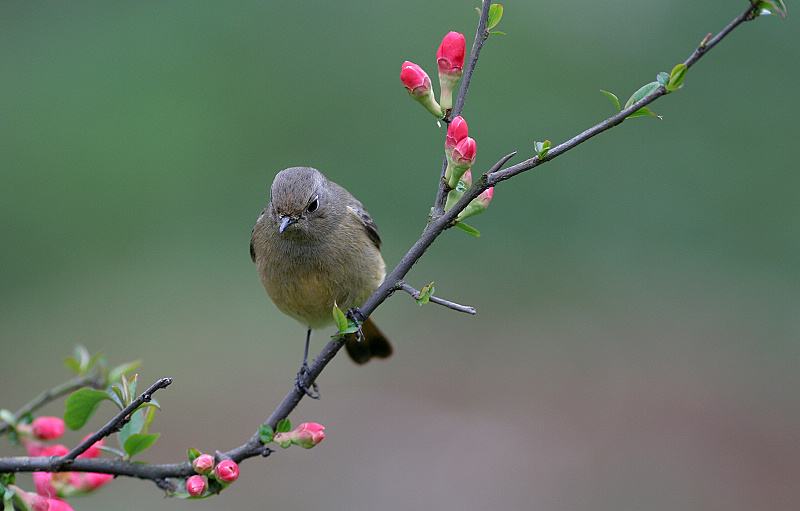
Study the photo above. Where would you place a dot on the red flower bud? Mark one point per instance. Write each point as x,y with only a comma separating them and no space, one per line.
308,434
203,464
477,205
456,132
84,482
196,485
467,179
48,428
418,84
55,450
43,482
94,450
33,447
226,471
450,55
58,505
464,152
486,196
39,503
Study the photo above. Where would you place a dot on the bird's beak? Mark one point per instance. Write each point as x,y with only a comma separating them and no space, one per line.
286,221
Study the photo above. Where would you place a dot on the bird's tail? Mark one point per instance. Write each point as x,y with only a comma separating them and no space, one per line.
373,344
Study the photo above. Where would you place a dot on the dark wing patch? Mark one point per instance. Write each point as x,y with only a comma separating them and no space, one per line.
369,224
252,249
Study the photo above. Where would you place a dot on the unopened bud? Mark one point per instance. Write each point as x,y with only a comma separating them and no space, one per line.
203,464
226,471
48,428
450,58
55,450
478,205
196,485
43,482
418,84
85,482
461,159
457,131
308,434
94,450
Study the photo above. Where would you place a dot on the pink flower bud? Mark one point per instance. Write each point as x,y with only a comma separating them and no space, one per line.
226,471
94,450
203,464
418,84
464,152
450,57
58,505
85,482
486,197
33,447
55,450
35,502
196,485
467,179
477,205
43,482
456,132
48,428
308,434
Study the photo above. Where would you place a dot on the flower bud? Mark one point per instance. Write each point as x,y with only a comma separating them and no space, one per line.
461,159
58,505
308,434
43,482
55,450
94,450
226,471
39,503
48,428
196,485
203,464
33,447
418,84
477,205
85,482
450,57
456,132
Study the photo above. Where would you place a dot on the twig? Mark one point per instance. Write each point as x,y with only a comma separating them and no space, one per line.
437,225
115,424
466,309
50,395
481,35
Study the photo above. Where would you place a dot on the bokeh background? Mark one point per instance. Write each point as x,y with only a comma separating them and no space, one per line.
637,339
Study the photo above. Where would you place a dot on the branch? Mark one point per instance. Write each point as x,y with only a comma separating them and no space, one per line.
466,309
481,35
50,395
440,221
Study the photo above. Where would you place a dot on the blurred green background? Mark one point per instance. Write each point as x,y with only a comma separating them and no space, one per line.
637,339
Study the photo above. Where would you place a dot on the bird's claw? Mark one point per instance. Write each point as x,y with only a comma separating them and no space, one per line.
301,382
356,316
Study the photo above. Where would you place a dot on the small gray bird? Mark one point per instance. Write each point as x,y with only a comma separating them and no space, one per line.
315,245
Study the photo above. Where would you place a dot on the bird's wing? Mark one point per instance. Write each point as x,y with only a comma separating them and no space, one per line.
369,224
253,234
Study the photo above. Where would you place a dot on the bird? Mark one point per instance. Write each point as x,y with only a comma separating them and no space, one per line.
315,246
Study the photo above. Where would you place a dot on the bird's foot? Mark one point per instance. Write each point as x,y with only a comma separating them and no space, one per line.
356,316
301,382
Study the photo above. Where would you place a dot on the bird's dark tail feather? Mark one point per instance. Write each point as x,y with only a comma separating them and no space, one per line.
374,344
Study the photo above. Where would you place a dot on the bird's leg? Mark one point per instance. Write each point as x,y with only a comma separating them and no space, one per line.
301,381
356,316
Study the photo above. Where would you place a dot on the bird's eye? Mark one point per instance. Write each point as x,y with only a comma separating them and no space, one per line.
313,205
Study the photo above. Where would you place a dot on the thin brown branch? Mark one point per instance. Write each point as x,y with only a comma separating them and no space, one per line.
415,293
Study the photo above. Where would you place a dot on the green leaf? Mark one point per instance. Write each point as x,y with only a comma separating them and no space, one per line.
613,98
284,425
73,365
469,229
265,433
149,413
7,478
495,15
139,423
123,369
644,112
676,77
773,6
339,318
140,442
8,502
80,405
82,355
497,32
193,454
662,78
8,417
425,294
640,94
542,148
115,395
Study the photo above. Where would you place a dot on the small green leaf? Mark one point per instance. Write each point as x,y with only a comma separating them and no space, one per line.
643,92
495,15
8,417
469,229
115,394
676,77
425,294
111,450
613,98
644,112
284,425
265,433
140,442
7,478
123,369
662,78
80,406
82,356
339,318
192,454
497,32
73,365
542,148
772,6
